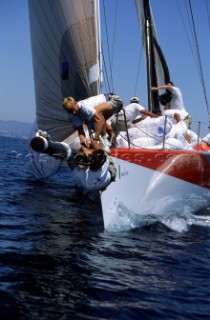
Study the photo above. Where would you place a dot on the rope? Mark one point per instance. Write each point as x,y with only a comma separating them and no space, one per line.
196,52
109,58
199,58
148,135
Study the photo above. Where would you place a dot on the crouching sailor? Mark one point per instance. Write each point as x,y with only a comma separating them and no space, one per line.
92,169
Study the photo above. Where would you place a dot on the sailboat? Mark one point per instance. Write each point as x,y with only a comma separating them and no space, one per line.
67,59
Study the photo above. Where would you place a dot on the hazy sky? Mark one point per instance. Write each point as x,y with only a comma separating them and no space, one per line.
17,99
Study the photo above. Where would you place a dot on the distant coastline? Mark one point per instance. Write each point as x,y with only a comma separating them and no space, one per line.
15,129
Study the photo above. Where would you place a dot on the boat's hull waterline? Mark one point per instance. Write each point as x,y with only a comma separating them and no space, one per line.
148,179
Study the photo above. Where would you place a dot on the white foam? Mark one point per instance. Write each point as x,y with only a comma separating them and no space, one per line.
176,214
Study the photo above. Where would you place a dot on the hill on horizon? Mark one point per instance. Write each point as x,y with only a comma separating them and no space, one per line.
14,128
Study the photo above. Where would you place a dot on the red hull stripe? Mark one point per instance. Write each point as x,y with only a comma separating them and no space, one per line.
193,167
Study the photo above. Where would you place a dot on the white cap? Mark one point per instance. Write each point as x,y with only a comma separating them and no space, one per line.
134,100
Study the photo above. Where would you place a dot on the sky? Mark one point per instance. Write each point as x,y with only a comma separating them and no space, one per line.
17,101
17,98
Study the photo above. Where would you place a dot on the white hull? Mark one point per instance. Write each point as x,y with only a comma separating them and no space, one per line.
141,195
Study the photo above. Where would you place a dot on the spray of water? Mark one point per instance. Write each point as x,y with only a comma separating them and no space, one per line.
177,214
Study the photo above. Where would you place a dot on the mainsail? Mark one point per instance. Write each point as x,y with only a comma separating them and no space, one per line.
157,70
65,37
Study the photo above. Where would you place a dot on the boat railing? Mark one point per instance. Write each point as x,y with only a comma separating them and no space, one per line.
151,136
126,126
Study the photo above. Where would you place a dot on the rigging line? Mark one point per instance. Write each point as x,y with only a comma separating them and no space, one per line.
207,9
114,33
140,58
194,40
199,58
99,57
106,78
138,71
196,60
111,77
194,57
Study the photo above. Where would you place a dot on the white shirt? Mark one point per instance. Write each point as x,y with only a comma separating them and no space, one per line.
93,102
87,109
170,113
133,110
92,180
177,100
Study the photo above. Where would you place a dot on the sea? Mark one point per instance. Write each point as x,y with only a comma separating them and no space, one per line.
58,262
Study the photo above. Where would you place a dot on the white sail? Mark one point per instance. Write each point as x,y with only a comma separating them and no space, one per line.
65,37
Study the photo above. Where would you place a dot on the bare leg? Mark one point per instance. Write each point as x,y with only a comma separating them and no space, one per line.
105,109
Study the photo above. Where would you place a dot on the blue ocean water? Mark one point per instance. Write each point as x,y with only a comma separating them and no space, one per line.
58,262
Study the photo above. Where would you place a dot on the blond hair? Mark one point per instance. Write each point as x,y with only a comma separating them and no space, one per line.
68,102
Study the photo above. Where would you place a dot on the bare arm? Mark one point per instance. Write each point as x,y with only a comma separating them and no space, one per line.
167,87
145,113
177,117
111,134
99,124
82,137
149,113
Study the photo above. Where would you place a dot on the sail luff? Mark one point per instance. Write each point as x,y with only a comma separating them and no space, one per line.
98,48
151,76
